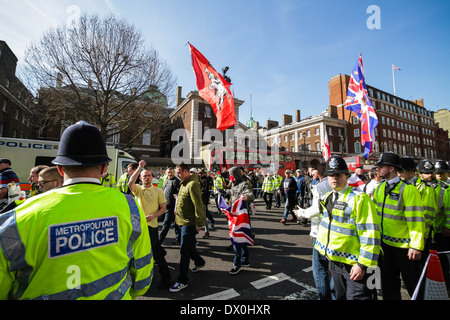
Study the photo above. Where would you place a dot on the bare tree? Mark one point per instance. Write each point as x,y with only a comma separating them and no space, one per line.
98,70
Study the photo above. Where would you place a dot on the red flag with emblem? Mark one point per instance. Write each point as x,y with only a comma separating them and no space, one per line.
215,89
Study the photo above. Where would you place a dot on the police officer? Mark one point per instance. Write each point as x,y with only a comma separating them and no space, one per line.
349,234
441,170
402,228
441,227
80,241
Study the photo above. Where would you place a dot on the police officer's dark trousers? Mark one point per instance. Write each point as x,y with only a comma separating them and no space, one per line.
345,288
394,262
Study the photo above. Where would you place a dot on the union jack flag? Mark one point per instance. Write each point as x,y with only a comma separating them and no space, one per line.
358,101
238,221
395,68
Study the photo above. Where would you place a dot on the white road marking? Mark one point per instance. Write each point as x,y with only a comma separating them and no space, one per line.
223,295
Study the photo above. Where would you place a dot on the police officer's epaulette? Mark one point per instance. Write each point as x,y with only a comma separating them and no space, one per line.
443,184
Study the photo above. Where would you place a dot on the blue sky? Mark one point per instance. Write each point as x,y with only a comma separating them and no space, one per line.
282,53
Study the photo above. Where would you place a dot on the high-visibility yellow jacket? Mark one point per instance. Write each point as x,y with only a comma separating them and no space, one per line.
277,181
109,181
401,214
81,241
429,204
268,185
219,184
351,234
442,219
122,184
161,180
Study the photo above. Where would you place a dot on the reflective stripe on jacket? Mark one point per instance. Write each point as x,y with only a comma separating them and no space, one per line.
268,185
81,241
351,234
442,219
401,214
429,203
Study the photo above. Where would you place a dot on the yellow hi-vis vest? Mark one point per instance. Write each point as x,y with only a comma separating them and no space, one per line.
442,219
401,214
429,204
268,185
81,241
351,233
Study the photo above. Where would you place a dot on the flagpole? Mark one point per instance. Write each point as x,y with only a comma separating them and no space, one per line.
393,78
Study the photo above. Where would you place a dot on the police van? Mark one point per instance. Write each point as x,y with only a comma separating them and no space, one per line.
26,154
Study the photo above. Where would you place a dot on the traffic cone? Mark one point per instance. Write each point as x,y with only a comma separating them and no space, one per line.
435,288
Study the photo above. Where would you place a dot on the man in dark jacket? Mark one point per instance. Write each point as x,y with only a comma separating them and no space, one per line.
288,187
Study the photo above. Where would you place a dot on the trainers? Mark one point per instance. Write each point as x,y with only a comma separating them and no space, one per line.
283,221
234,270
177,287
197,268
245,264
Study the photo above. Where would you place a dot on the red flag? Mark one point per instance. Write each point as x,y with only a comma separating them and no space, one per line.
326,153
215,89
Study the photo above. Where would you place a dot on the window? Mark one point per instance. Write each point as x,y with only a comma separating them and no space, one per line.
285,138
316,131
356,133
318,146
355,120
358,147
208,112
292,137
4,106
147,137
330,131
308,133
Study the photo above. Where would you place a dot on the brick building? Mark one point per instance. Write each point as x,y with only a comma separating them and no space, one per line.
16,102
304,137
195,115
405,127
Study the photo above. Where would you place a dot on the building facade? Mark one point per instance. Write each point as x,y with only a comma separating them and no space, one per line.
405,127
195,116
305,138
16,102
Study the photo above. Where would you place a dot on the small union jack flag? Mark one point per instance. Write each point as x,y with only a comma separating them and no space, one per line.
395,68
358,101
238,221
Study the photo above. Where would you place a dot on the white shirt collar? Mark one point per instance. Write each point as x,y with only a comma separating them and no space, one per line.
81,180
393,180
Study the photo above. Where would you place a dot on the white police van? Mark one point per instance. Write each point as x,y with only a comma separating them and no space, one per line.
26,154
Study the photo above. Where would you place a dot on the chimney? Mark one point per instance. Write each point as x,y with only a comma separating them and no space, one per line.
178,95
419,102
256,125
287,119
297,116
271,124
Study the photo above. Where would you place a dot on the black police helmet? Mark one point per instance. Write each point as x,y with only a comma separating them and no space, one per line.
425,166
408,164
81,144
441,166
389,159
335,165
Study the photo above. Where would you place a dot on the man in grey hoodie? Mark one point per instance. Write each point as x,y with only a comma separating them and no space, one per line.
239,187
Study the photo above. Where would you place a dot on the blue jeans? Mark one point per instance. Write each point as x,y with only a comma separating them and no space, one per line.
240,255
188,251
322,277
169,220
288,208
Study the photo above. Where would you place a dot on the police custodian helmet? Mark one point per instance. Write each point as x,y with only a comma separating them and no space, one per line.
441,166
335,165
425,166
81,144
389,159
